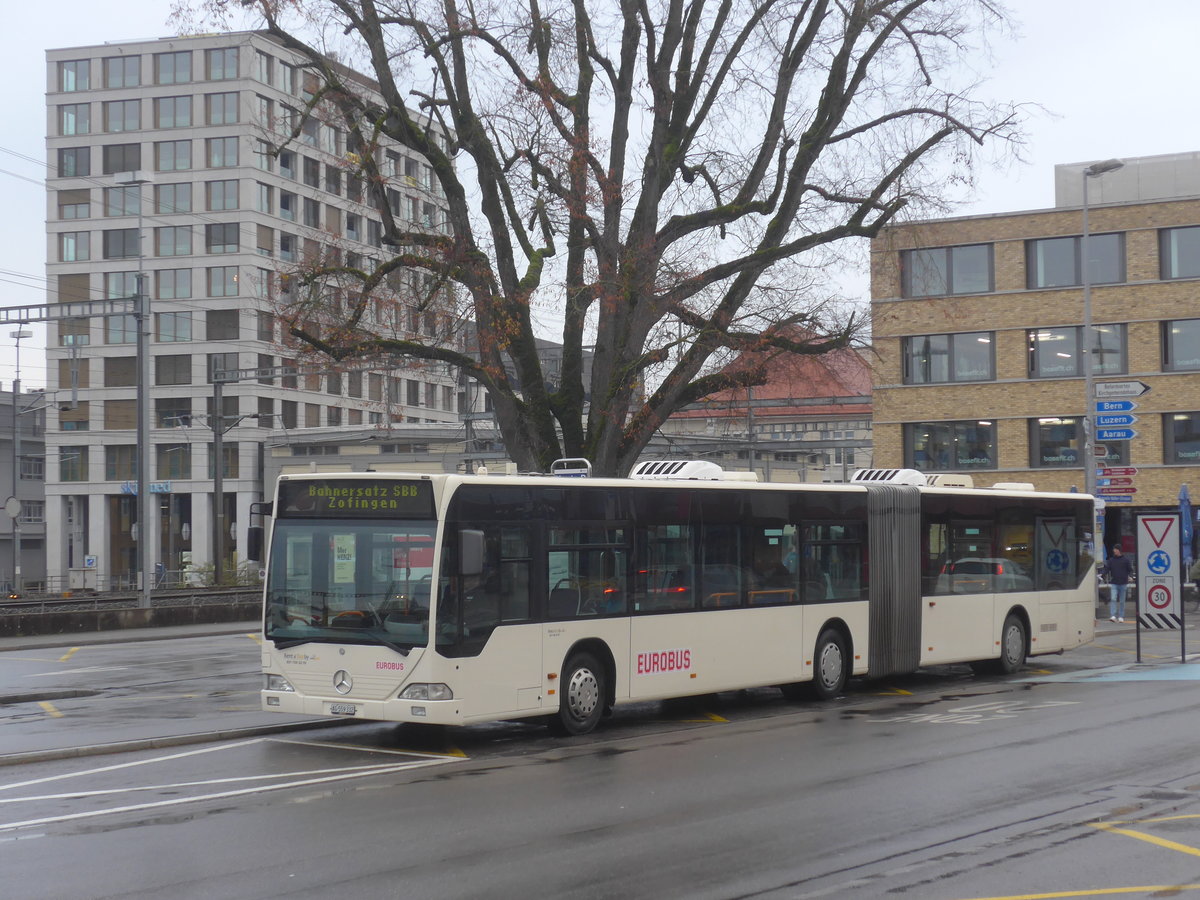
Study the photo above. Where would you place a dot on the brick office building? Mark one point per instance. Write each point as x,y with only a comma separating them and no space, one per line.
977,322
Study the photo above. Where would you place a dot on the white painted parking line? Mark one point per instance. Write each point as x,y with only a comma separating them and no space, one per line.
267,782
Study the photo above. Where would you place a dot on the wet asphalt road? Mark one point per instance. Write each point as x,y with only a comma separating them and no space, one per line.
1079,774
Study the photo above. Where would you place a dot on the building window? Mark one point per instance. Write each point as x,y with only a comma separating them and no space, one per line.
221,324
74,332
266,241
120,371
263,67
173,461
121,243
222,152
221,109
1181,438
937,358
1179,252
33,468
266,326
173,412
222,362
73,246
171,327
287,206
73,463
173,369
950,446
120,462
74,75
312,172
172,198
941,271
172,156
75,118
173,68
288,413
222,194
173,284
122,201
223,281
77,418
229,452
1055,262
287,247
222,64
120,415
262,155
221,238
120,285
312,213
74,204
74,162
119,329
333,179
266,196
287,164
1055,352
122,71
1058,442
175,240
122,158
122,115
1181,345
172,112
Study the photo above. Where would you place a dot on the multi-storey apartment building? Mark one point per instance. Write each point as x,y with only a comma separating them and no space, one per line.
165,162
979,327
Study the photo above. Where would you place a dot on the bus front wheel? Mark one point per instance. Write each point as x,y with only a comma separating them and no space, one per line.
581,697
829,665
1012,645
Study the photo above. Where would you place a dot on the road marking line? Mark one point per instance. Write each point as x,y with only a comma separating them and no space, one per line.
1149,838
77,671
128,765
100,792
50,710
255,638
220,795
894,692
1151,889
458,754
68,654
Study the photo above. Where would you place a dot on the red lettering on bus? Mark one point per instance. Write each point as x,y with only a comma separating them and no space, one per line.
664,661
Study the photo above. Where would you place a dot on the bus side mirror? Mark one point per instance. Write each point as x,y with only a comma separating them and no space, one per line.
254,543
470,551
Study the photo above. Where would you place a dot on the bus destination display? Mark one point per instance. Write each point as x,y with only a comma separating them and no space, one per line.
358,498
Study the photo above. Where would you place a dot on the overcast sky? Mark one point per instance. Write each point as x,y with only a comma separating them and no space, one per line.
1115,80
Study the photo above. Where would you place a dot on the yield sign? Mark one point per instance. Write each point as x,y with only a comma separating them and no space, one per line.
1158,529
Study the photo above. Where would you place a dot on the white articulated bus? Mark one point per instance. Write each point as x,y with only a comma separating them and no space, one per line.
456,599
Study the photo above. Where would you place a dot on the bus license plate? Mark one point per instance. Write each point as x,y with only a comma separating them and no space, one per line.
343,709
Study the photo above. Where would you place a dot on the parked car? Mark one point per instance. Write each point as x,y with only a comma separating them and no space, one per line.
983,575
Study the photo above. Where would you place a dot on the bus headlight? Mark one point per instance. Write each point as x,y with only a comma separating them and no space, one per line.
427,692
276,683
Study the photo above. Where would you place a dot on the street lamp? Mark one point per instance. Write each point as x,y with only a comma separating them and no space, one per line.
14,508
1089,336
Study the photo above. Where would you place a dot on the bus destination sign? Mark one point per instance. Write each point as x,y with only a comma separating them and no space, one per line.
365,498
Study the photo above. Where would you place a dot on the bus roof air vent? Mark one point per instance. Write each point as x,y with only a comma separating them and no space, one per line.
951,481
686,469
890,476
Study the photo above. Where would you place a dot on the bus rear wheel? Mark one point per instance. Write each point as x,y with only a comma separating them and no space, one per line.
581,695
830,665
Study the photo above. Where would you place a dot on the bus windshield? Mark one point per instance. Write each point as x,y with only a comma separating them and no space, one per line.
350,582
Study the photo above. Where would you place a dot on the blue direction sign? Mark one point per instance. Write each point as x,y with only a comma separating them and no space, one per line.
1115,434
1103,406
1115,421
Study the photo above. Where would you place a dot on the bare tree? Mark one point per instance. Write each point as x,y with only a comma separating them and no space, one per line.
667,177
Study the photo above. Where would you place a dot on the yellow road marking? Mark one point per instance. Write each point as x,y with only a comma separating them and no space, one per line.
254,637
894,692
451,750
50,710
68,654
1149,838
1152,889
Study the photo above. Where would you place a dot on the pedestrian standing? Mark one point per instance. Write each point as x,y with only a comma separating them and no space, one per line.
1119,570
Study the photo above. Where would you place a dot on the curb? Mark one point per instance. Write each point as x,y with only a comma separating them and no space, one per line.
178,740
